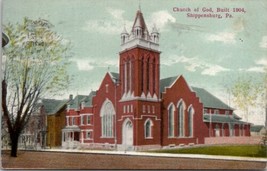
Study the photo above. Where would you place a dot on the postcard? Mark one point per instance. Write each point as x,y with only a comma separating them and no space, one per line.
154,84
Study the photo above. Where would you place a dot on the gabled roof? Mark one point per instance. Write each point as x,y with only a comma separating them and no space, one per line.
217,118
206,98
52,106
75,103
256,128
210,100
89,99
167,82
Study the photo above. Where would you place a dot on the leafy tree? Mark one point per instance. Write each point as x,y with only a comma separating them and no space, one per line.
245,94
34,67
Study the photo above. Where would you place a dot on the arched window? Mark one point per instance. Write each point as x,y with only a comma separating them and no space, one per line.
181,108
148,128
171,110
107,124
190,121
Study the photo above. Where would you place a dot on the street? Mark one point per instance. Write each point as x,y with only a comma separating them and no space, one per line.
59,160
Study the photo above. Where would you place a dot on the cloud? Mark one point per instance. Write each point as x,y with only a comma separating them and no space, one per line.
108,26
212,70
256,69
224,37
194,64
263,43
161,19
261,66
262,61
89,63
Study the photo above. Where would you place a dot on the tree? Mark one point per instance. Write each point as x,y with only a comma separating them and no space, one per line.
34,67
245,94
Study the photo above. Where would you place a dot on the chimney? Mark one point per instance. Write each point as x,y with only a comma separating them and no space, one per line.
71,97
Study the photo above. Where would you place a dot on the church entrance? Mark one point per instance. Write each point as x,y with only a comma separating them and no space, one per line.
127,135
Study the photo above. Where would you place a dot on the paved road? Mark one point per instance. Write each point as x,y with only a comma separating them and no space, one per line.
56,160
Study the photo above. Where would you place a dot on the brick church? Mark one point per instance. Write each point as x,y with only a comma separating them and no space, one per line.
136,110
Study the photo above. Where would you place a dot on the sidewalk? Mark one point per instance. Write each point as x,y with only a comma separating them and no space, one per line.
134,153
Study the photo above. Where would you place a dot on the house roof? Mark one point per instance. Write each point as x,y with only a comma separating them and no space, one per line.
75,103
217,118
210,100
89,99
52,106
256,128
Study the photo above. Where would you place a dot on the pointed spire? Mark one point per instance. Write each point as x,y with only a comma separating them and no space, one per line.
124,31
139,5
139,27
154,29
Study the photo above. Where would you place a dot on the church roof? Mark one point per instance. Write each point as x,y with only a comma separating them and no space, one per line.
256,128
217,118
139,22
167,82
210,100
115,76
206,98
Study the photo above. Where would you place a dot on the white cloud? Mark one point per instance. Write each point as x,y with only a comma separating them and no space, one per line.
84,64
116,13
263,43
108,26
256,69
224,37
161,19
192,64
89,64
262,61
212,70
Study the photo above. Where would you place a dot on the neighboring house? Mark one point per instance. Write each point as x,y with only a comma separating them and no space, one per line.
33,135
135,110
79,122
56,114
257,130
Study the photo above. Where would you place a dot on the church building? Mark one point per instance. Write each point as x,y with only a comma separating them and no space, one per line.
136,110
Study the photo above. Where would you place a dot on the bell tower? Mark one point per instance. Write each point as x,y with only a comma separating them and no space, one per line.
139,101
139,62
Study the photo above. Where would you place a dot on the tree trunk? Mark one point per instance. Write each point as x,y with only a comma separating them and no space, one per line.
14,144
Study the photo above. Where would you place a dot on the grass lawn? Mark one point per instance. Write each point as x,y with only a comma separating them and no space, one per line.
241,150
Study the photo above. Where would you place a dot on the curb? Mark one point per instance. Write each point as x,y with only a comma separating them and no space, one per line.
132,153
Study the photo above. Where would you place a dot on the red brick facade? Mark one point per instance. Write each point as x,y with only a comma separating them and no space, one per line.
134,109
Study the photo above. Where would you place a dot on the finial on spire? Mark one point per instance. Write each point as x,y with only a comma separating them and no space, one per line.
139,6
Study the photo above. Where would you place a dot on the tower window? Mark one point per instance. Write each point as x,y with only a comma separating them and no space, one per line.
148,128
144,108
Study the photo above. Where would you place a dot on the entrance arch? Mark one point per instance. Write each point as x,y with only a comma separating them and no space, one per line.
127,134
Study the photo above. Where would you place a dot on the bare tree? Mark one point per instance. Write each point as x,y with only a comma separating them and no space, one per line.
35,66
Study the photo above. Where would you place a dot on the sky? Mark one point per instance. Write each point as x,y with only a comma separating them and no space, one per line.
210,52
